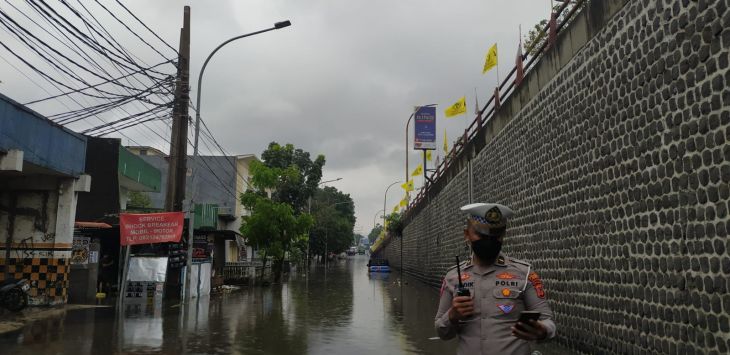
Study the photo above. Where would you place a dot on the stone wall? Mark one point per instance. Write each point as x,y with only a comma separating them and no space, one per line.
617,163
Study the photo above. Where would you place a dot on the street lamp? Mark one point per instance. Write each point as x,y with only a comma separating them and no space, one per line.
385,198
376,215
407,124
188,266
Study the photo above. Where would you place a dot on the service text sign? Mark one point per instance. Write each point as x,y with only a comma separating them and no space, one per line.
425,128
150,228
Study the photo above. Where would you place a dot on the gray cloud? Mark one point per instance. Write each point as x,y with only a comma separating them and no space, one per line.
341,81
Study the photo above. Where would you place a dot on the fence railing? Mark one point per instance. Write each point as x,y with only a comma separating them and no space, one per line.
244,271
506,88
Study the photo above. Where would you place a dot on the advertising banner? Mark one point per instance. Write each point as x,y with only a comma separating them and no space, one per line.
150,228
425,128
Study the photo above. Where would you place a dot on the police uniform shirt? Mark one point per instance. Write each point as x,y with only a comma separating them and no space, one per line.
500,292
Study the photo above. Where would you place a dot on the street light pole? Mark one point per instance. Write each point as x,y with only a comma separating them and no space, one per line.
385,198
376,215
407,124
188,266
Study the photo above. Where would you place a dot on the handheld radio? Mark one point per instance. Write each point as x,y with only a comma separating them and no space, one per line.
461,290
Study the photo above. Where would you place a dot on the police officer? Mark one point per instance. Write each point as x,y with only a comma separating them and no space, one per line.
500,289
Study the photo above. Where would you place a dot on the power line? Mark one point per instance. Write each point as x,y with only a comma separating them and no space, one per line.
145,26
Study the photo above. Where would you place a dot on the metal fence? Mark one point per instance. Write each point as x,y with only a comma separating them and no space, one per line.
243,272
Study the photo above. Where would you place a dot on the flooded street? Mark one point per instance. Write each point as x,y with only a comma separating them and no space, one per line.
342,311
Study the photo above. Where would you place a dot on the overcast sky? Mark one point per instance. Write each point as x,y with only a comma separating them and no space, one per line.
341,81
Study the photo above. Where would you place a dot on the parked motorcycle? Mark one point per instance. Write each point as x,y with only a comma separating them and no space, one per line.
14,294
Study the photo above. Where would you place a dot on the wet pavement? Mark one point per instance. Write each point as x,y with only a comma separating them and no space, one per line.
341,311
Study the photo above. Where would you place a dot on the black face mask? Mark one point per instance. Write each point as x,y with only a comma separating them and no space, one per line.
487,248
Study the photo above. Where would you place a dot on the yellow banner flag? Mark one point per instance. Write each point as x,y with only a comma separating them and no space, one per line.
491,60
456,109
428,155
404,202
418,171
408,185
446,144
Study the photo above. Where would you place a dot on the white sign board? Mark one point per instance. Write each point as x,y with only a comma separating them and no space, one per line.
147,269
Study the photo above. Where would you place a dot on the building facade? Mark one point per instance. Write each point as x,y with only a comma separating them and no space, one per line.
41,176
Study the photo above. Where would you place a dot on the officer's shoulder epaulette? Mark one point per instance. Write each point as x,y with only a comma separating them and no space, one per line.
464,264
518,261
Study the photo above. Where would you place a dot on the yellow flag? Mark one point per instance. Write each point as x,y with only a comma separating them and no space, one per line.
446,144
456,109
418,171
404,202
491,60
428,155
408,185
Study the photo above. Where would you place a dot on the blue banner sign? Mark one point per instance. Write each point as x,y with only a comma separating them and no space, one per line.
425,128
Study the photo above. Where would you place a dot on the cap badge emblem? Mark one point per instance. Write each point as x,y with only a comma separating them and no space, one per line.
494,215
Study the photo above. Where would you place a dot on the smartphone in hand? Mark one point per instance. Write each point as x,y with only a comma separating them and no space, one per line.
527,316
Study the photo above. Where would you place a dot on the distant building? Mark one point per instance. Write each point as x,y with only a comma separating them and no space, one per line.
218,184
145,150
117,174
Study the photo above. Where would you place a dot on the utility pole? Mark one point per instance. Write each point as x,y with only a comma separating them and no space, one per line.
179,142
177,172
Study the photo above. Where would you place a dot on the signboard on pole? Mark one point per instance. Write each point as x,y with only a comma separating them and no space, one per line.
425,128
150,228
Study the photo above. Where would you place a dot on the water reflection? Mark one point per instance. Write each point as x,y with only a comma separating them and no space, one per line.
343,311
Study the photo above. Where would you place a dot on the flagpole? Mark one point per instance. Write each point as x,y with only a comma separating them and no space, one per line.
497,65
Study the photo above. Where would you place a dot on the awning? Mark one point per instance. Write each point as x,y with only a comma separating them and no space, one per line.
95,225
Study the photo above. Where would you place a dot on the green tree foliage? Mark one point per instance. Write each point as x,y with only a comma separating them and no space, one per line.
296,174
395,225
535,37
334,215
139,200
275,226
374,233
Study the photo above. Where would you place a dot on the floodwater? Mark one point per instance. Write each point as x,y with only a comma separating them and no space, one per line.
341,311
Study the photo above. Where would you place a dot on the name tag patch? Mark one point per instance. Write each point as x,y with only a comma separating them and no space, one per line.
506,283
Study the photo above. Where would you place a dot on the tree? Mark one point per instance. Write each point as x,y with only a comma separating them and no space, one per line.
139,200
300,174
535,37
374,233
334,216
276,225
395,225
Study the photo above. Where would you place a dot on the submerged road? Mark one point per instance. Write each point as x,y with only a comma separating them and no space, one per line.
341,311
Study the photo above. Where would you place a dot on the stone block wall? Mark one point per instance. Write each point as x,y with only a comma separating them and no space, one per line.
619,170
